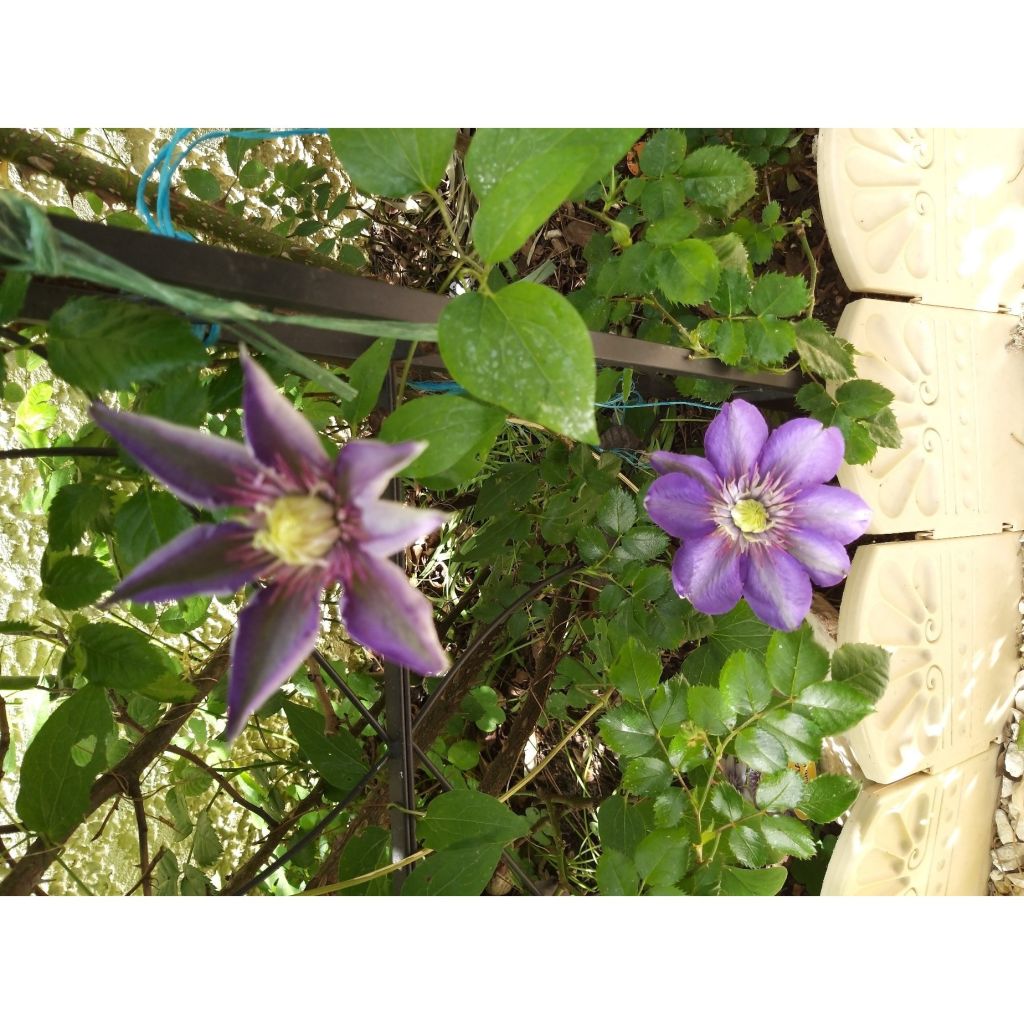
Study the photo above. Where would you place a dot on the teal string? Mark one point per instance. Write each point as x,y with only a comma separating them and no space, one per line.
168,160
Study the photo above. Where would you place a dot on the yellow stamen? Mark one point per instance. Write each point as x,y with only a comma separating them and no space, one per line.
298,529
750,516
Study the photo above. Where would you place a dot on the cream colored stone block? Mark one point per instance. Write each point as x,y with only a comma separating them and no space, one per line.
932,213
959,402
947,612
928,835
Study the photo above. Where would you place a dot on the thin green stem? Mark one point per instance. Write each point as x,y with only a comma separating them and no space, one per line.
446,216
404,379
806,247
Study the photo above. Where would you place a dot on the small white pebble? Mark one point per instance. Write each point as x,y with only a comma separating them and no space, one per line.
1014,764
1007,789
1003,829
1009,857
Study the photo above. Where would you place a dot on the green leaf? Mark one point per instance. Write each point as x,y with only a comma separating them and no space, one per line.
145,522
452,425
54,793
35,411
733,293
338,759
862,398
527,350
761,750
799,736
739,629
202,184
617,513
788,837
616,875
13,289
366,851
795,660
459,871
828,796
779,791
119,658
180,397
367,375
206,844
859,447
727,803
688,747
621,824
769,341
673,229
822,353
644,543
252,174
779,295
864,667
687,272
628,731
25,682
671,807
664,856
482,707
177,807
468,817
818,402
108,345
522,175
663,200
883,429
835,707
394,162
664,152
646,776
465,754
728,341
749,846
745,882
718,179
73,510
731,252
636,672
75,581
709,710
744,684
15,627
186,615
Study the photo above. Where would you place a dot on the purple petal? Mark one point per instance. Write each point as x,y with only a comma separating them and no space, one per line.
776,587
734,439
206,559
802,452
279,435
831,511
382,611
276,631
364,468
201,469
826,560
692,465
391,527
707,572
680,506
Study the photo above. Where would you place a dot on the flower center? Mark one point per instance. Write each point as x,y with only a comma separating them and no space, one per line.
298,529
750,515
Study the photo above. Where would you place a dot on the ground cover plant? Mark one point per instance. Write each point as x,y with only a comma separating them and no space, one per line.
601,596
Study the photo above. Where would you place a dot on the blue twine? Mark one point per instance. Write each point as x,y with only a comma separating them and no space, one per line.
168,160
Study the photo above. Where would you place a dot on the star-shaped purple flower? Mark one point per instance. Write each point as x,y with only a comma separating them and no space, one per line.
754,516
304,523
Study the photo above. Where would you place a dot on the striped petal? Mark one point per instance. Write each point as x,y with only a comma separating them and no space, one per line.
826,560
832,512
776,587
734,439
279,435
391,527
382,611
802,452
201,469
691,465
364,468
207,559
680,506
707,571
276,631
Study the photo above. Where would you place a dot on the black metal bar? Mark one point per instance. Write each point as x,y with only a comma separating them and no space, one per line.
398,712
293,286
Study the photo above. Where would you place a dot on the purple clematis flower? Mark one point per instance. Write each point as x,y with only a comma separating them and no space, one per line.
755,518
306,522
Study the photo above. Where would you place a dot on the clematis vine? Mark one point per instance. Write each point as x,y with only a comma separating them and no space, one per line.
755,517
305,522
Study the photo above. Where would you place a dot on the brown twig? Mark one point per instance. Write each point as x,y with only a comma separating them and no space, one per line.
135,792
148,873
223,783
331,721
